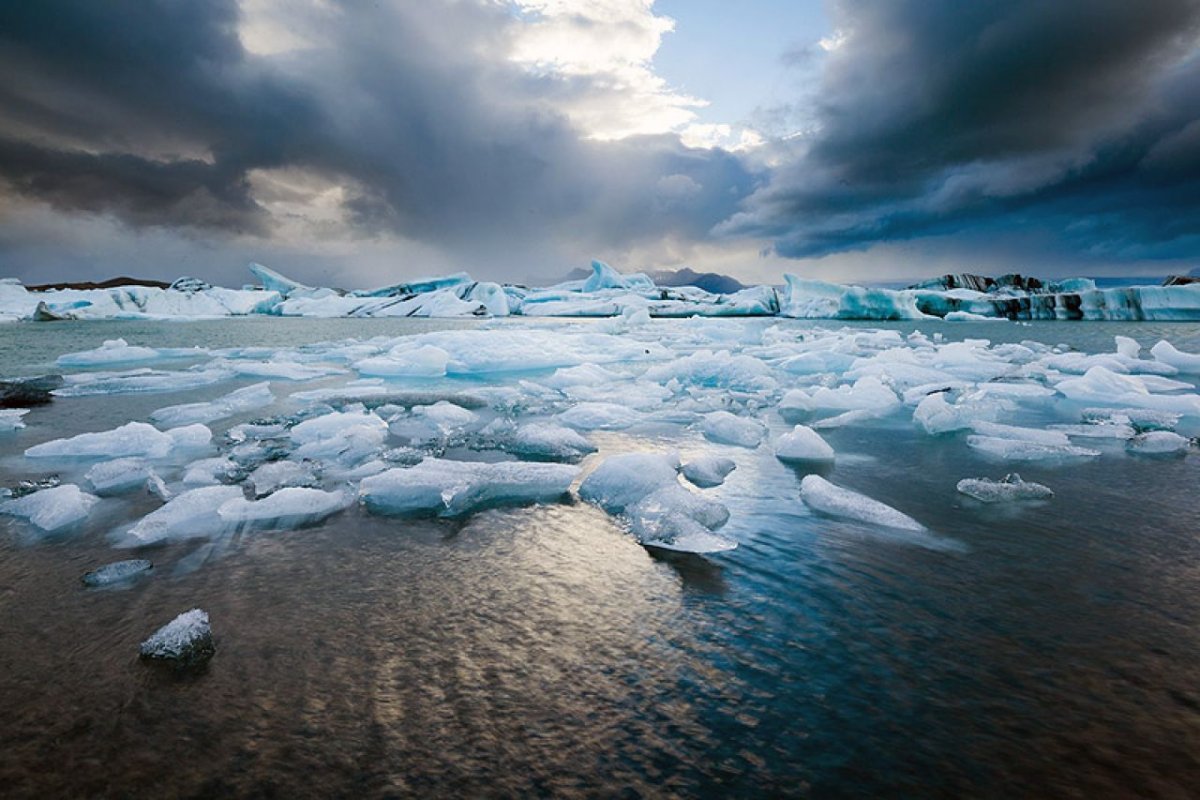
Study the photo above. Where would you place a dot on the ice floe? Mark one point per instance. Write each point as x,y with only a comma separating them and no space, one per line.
1009,489
453,488
803,444
708,471
240,401
836,501
54,508
131,439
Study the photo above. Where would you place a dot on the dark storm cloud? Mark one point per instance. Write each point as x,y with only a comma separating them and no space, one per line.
938,116
154,112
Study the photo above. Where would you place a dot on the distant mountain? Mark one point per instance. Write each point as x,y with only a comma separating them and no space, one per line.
708,281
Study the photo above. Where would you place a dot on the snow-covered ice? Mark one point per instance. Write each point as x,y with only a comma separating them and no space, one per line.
184,641
116,572
1010,488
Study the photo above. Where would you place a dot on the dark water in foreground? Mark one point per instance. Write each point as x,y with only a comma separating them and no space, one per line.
540,651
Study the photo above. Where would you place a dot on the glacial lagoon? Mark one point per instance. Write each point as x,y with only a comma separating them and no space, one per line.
534,641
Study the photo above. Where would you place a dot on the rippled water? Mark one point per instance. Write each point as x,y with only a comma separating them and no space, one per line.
1048,650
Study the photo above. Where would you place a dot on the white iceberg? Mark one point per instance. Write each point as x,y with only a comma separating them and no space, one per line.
836,501
118,475
291,507
250,398
622,480
131,439
275,475
54,508
188,515
454,488
1011,488
727,428
803,444
708,471
1022,450
1158,443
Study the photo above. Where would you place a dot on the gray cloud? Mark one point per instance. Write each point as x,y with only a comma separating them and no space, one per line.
156,114
938,117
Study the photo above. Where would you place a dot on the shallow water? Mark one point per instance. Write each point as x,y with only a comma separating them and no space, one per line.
1037,650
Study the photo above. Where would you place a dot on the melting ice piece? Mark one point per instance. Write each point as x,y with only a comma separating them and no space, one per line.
1142,419
1129,348
344,435
548,441
453,488
936,416
866,392
719,370
116,572
1019,450
1167,353
425,361
803,444
821,495
140,380
673,518
1158,443
292,507
189,514
599,416
622,480
118,475
185,641
276,475
722,426
708,471
10,419
131,439
1003,491
1101,385
209,471
1107,430
237,402
445,416
52,509
119,351
1048,437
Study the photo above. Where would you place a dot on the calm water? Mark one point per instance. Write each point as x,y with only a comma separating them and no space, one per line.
1052,651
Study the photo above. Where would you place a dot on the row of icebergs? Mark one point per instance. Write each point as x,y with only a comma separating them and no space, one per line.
606,293
449,422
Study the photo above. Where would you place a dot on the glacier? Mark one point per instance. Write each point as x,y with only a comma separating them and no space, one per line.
605,293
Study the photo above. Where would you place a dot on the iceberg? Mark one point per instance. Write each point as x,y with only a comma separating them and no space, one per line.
803,444
599,416
674,518
346,436
823,496
54,508
119,351
543,440
727,428
622,480
708,471
1103,386
275,475
117,476
454,488
1007,490
1158,443
190,514
185,641
1167,353
1023,450
10,419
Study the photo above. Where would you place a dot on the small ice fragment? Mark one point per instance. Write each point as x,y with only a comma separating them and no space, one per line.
276,475
1048,437
708,471
722,426
1129,348
113,351
1167,353
116,572
189,514
10,419
549,441
185,641
118,475
821,495
237,402
598,416
1009,489
453,488
158,487
1158,443
803,444
1018,450
54,508
674,518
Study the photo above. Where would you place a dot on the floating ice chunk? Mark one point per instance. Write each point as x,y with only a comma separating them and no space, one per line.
821,495
967,316
425,361
722,426
866,392
599,416
1129,348
849,418
1142,419
86,384
622,480
118,475
719,370
548,441
185,641
119,351
1047,437
1108,430
209,471
936,416
156,486
1167,353
803,444
249,398
291,507
281,474
1101,385
445,416
1003,491
344,435
278,369
673,518
453,488
116,572
795,402
582,375
54,508
10,419
1018,450
708,471
131,439
1158,443
189,514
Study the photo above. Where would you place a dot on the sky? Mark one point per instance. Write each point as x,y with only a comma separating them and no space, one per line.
356,144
